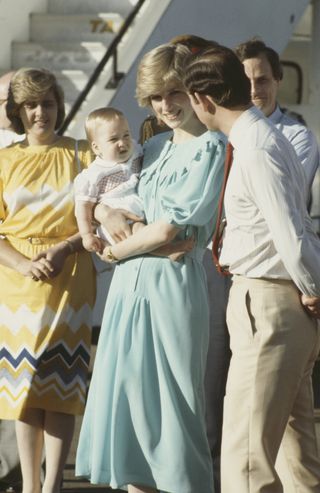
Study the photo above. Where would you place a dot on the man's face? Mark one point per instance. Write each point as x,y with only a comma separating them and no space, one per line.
207,118
264,87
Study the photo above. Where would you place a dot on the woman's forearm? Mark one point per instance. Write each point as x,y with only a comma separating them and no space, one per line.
145,240
74,242
9,257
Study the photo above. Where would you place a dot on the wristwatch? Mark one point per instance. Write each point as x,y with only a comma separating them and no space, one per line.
110,257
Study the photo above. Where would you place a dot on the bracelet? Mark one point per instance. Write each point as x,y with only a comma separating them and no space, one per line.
110,257
70,245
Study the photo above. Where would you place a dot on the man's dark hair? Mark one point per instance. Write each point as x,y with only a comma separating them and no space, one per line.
217,72
254,48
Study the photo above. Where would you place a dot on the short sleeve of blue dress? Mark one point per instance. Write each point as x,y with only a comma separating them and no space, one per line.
181,183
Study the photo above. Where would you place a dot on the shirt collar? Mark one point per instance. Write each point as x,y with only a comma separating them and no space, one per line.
106,164
240,126
276,116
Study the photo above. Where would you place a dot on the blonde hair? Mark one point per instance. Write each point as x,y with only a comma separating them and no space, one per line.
98,116
30,84
159,68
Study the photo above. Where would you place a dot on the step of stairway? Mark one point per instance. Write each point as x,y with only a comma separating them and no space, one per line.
58,56
123,7
78,27
72,83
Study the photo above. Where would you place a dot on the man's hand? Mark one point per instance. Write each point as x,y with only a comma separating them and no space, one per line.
311,304
116,221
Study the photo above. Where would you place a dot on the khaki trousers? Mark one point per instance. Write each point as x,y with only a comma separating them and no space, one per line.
269,399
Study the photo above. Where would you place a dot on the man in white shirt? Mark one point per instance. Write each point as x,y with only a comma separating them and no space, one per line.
274,256
263,68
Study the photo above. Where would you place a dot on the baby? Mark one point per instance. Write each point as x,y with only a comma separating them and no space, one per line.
111,178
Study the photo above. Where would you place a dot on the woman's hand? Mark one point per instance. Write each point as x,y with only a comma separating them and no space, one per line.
175,250
115,221
38,268
54,257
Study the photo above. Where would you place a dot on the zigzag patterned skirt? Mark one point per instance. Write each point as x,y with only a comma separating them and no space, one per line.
45,337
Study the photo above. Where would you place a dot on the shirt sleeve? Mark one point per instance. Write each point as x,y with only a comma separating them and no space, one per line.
84,188
307,150
276,192
192,199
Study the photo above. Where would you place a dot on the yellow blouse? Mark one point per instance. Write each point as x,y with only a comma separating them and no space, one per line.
36,188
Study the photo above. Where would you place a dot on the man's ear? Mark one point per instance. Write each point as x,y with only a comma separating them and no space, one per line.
194,97
206,103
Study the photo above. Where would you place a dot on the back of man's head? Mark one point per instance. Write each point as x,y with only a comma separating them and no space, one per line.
217,72
255,48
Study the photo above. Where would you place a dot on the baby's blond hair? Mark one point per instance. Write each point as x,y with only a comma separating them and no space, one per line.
99,116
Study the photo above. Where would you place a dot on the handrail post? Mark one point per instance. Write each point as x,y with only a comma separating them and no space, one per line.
116,76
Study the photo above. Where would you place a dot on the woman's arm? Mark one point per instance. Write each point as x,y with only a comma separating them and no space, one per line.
145,240
55,256
46,264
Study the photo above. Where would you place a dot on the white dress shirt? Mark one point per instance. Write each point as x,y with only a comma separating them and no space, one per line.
303,141
269,232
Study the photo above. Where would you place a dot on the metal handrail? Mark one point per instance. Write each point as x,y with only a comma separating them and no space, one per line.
116,76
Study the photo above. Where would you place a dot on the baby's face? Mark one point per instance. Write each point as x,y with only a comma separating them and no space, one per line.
113,141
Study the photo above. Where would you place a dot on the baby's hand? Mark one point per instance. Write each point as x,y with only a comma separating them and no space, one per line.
92,243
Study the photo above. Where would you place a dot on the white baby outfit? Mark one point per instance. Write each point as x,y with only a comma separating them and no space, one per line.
113,184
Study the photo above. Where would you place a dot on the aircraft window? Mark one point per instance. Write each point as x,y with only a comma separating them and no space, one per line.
290,90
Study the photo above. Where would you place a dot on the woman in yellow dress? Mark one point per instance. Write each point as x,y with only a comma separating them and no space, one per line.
47,281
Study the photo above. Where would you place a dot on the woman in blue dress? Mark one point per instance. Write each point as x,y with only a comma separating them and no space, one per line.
144,427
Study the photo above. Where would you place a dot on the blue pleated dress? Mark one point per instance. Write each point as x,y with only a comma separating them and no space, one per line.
144,418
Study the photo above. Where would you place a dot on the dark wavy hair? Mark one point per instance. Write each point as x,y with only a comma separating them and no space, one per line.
30,84
254,48
217,72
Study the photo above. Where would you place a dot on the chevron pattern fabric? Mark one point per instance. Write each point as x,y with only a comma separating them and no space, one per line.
45,327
